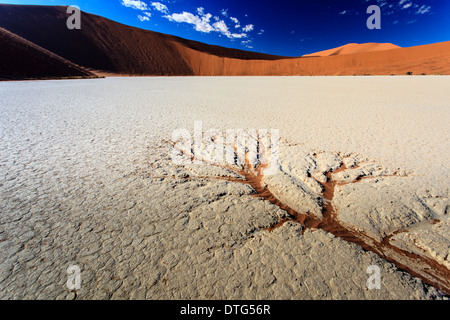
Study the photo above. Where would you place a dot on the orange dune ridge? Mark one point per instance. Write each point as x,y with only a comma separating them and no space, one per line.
354,48
426,59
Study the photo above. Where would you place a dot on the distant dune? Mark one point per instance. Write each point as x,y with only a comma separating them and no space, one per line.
427,59
113,48
354,48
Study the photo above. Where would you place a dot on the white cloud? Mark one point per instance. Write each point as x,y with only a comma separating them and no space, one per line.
406,6
248,28
247,43
423,9
343,12
135,4
201,21
261,32
160,7
220,26
236,22
144,18
236,35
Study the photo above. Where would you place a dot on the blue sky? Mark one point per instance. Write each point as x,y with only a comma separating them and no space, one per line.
290,28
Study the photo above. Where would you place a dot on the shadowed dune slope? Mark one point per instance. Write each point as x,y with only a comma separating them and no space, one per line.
21,59
105,45
100,44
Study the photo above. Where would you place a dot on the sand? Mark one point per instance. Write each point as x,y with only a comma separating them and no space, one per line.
87,179
427,60
352,48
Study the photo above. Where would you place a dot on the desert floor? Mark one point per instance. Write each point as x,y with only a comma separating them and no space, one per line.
87,179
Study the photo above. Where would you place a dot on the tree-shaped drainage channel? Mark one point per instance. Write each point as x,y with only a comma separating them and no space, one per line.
425,268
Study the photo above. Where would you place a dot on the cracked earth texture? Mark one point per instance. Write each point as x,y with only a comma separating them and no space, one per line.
87,179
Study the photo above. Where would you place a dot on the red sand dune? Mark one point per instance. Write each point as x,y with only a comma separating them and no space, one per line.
105,45
427,59
102,44
354,48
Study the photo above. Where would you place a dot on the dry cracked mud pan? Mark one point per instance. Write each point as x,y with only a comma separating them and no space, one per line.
344,196
228,231
86,180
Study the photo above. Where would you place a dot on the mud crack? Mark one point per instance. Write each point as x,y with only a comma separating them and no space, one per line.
429,270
